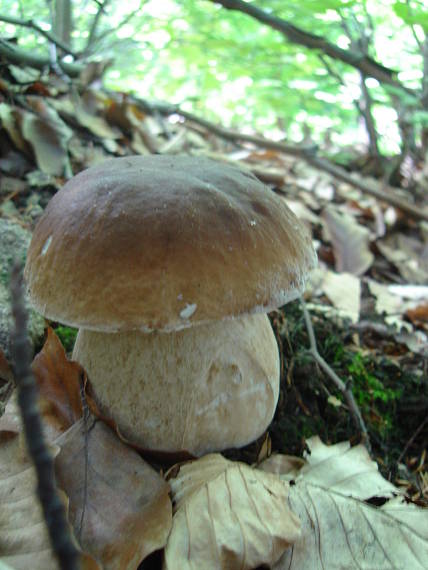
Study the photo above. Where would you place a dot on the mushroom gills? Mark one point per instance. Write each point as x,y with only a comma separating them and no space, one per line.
202,389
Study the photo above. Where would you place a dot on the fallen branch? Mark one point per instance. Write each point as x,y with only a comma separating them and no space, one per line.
340,385
305,152
53,508
387,195
19,56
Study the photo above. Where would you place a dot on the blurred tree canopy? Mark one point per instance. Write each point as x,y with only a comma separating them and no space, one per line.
347,74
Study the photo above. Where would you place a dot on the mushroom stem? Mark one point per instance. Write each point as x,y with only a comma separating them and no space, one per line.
200,389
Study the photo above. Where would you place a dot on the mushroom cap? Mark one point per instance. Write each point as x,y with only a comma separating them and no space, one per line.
164,242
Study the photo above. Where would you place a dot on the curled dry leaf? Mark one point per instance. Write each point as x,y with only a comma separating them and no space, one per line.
24,540
344,291
59,381
119,506
228,515
351,242
339,529
345,469
48,136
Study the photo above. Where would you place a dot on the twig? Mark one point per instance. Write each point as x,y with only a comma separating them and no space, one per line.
95,22
31,24
412,439
53,508
345,389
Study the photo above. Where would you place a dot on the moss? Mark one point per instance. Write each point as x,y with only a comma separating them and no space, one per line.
392,399
67,336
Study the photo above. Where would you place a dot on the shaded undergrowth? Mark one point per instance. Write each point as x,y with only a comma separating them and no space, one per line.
390,389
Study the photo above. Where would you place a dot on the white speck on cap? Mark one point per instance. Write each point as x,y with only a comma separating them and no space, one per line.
46,245
188,311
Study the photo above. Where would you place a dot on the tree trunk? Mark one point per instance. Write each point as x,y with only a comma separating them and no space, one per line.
62,20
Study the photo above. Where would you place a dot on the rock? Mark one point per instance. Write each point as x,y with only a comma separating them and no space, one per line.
14,242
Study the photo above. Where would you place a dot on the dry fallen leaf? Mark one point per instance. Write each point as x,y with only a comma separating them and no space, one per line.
48,136
59,381
24,540
418,315
228,515
339,529
350,240
344,291
127,510
119,506
11,119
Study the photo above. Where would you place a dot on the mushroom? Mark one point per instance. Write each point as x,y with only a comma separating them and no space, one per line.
168,266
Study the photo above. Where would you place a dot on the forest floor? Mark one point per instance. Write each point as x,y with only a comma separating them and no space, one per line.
368,300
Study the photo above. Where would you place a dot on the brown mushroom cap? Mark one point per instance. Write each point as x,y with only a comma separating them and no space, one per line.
164,242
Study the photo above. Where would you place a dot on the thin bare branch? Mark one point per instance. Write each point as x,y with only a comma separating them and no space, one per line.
338,382
307,153
367,65
412,27
31,24
365,107
97,39
95,23
53,507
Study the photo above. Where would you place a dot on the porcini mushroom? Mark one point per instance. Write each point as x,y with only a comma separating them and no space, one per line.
168,266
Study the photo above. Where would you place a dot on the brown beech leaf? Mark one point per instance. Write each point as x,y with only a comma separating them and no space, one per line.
228,515
24,540
418,315
119,506
58,381
48,135
350,240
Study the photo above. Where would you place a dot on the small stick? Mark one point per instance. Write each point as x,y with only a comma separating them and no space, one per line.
346,391
412,439
53,508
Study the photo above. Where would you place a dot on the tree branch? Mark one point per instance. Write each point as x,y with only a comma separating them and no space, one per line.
306,153
53,508
31,24
365,64
338,382
97,39
365,107
95,22
19,56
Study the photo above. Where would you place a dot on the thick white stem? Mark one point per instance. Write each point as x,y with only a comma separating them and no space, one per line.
201,389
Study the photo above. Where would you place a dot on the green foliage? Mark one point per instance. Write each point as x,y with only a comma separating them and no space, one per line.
231,68
413,13
67,336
